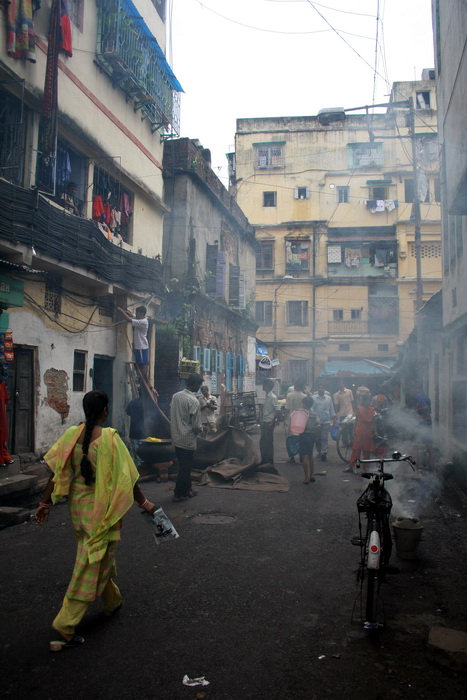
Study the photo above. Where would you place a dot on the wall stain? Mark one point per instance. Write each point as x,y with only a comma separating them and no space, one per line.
56,381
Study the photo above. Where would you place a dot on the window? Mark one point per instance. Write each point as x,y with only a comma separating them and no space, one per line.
79,370
343,194
117,199
378,192
297,313
297,256
12,138
301,193
106,306
269,199
383,347
365,155
211,268
75,13
53,294
338,314
265,255
269,155
409,186
343,347
437,187
71,169
383,308
423,99
264,313
355,314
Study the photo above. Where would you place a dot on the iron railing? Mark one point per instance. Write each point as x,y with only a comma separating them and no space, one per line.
136,64
357,327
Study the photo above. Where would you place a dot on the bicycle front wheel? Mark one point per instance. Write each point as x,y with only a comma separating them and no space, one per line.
344,446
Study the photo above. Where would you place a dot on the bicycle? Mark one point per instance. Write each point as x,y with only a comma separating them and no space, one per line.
376,544
344,440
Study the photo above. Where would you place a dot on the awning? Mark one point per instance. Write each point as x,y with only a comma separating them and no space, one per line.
142,27
357,368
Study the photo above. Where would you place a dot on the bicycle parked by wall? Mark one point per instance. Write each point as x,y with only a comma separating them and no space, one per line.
375,542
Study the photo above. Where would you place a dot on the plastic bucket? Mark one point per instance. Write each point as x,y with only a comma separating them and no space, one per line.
407,534
298,421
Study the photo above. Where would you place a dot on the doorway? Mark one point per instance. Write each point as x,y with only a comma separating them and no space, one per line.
102,379
20,410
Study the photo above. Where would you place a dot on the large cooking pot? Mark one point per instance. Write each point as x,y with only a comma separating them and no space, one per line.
155,452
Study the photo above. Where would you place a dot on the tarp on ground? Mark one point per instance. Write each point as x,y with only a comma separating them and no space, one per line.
229,459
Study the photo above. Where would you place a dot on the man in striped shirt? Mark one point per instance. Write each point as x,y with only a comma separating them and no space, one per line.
185,425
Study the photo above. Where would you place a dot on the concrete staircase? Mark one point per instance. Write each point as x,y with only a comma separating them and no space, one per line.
20,487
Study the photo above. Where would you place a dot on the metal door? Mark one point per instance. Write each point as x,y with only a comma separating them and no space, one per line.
21,406
102,379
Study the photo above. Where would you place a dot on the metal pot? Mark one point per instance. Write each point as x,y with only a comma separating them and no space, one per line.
155,452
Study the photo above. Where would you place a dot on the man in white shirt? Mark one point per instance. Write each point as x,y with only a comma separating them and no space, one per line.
140,325
343,401
185,425
270,413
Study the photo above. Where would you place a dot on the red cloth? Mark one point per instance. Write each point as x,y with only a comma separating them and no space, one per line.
97,207
107,213
66,46
363,435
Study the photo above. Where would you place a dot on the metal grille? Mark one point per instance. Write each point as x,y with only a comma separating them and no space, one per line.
131,60
53,295
12,138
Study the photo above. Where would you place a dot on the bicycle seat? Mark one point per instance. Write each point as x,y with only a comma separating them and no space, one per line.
368,475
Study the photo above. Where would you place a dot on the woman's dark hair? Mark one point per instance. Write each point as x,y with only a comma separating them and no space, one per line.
94,402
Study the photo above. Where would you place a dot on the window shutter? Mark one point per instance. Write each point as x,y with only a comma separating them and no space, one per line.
240,383
241,291
307,192
196,353
220,361
207,360
295,192
228,372
220,274
234,285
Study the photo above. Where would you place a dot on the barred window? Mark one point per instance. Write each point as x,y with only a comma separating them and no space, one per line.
53,294
79,370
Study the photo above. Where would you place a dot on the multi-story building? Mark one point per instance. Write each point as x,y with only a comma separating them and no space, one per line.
209,263
333,201
86,100
449,360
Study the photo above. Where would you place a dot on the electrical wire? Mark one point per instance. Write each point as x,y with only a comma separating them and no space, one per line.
312,5
376,51
273,31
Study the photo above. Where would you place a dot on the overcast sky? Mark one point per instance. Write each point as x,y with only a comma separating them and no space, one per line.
259,58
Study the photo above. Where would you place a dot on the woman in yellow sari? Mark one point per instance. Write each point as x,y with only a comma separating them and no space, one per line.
92,466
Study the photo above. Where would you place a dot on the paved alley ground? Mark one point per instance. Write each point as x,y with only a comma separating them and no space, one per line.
257,595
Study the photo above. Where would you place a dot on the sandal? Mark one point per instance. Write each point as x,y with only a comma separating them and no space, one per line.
178,499
59,644
191,494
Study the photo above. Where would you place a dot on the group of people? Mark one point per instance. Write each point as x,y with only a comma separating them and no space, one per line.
311,417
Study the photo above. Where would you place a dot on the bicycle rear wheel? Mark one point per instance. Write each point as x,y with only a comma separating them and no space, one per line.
372,594
344,445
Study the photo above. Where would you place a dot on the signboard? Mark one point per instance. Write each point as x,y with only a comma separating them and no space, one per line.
265,363
11,291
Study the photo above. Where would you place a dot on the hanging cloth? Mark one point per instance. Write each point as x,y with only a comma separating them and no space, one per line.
20,30
65,23
97,208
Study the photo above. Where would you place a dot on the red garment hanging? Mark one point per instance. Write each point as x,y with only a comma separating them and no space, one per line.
97,207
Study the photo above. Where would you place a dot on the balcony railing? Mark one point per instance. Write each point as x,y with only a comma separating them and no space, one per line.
128,52
347,327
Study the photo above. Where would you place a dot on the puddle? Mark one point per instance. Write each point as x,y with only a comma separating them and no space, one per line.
213,519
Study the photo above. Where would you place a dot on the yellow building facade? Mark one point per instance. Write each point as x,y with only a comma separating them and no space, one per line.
332,200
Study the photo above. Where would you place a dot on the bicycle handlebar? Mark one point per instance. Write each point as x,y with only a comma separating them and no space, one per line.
396,457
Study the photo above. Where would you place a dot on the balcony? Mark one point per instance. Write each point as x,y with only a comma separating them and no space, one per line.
130,55
357,327
32,220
